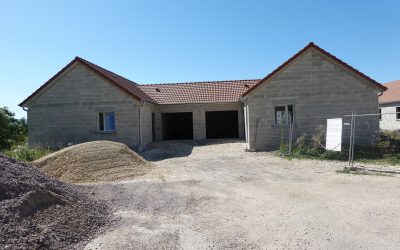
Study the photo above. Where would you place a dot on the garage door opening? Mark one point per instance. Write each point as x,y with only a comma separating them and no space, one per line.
222,124
177,126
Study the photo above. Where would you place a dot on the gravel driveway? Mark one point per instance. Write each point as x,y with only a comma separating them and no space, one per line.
219,197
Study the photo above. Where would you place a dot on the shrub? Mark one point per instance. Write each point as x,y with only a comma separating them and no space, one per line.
24,153
318,139
312,147
12,131
386,150
302,141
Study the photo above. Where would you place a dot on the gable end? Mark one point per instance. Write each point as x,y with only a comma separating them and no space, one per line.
123,87
324,53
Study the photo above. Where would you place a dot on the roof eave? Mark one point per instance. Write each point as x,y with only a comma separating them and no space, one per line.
309,46
389,102
77,59
349,67
22,104
193,103
108,78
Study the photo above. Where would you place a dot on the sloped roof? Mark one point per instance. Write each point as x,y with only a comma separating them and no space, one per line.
131,87
126,85
392,94
193,92
198,92
329,55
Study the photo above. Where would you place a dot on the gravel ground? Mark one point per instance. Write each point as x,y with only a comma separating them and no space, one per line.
219,197
40,212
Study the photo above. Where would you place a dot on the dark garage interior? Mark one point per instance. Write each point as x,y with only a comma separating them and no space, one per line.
222,124
177,126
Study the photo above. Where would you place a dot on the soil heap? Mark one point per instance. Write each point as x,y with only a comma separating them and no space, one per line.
38,211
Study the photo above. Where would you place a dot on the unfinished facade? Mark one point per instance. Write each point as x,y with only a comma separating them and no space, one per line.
389,107
85,102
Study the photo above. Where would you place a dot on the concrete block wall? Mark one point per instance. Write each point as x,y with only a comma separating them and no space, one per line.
156,111
146,123
319,89
68,111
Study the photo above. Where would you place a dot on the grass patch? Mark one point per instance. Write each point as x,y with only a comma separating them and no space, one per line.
385,151
24,153
357,171
316,154
389,160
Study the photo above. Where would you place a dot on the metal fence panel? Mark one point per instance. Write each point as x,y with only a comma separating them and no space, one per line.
362,137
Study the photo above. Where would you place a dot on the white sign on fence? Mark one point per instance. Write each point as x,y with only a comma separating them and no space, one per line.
334,134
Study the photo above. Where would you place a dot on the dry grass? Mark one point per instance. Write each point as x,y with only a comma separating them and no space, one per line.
98,161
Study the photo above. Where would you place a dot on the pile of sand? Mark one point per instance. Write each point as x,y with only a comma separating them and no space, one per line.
39,212
95,161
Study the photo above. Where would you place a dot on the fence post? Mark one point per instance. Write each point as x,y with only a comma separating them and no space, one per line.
290,134
351,138
354,132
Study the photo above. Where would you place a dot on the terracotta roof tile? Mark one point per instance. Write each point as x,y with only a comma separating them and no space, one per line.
166,93
392,94
198,92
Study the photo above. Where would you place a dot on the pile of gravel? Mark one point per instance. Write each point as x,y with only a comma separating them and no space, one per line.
96,161
38,211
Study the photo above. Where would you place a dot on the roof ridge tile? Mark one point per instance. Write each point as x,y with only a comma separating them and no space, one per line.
200,82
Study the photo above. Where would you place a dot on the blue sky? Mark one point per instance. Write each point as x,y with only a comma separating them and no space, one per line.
175,41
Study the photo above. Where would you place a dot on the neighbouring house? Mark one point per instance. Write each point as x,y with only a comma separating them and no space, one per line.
85,102
389,107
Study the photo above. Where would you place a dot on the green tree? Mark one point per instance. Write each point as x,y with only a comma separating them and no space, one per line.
13,131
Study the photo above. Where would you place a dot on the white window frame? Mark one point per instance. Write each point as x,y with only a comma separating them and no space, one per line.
397,113
104,114
286,114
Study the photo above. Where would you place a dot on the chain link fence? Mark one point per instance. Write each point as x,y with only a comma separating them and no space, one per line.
366,138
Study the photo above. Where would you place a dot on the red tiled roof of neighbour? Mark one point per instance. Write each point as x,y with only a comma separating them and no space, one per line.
126,85
198,92
392,94
329,55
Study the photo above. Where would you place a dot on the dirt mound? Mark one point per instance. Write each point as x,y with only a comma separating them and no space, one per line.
38,211
94,162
